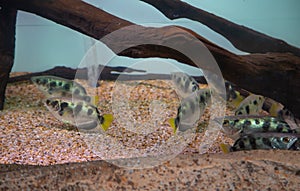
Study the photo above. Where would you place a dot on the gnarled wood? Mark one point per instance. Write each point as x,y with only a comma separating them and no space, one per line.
7,47
241,37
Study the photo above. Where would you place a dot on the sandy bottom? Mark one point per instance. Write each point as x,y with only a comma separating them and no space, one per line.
30,135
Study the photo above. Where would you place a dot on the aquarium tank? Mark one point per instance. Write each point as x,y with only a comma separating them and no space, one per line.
157,95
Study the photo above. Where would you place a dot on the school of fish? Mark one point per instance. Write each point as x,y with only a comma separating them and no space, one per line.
249,130
68,101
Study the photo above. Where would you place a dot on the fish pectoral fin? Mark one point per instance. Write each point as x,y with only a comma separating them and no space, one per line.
173,124
107,120
225,148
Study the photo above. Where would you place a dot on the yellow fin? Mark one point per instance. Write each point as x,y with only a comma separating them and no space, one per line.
95,100
239,98
274,109
173,124
225,148
107,120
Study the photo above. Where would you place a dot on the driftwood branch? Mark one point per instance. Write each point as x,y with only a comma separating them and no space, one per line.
275,75
7,47
241,37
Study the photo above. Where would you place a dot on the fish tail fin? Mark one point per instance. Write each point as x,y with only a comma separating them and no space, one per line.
238,99
274,109
95,100
107,120
173,124
225,148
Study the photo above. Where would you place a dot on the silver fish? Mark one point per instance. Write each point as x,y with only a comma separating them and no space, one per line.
78,113
251,105
190,110
53,86
236,126
185,84
284,141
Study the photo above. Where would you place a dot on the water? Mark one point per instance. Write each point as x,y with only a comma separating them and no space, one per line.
55,45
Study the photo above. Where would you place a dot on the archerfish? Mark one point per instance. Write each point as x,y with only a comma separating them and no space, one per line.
53,86
78,112
190,110
236,126
265,141
252,105
185,85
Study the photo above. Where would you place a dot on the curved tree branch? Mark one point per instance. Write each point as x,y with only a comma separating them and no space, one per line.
241,37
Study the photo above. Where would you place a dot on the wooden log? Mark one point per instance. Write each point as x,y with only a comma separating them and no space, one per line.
7,47
240,36
272,74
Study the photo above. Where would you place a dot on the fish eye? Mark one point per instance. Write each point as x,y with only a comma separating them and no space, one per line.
285,139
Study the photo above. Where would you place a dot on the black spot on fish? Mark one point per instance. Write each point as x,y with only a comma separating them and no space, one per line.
77,91
252,142
52,84
247,123
177,121
233,94
287,113
241,143
54,103
101,119
63,105
247,109
266,141
194,88
59,83
266,126
256,121
240,113
255,102
44,81
179,109
77,109
87,99
67,87
279,128
202,99
225,122
89,112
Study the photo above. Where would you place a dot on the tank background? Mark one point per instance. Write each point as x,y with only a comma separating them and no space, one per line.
55,45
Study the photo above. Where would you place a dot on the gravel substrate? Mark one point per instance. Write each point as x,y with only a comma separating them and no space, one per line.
31,135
